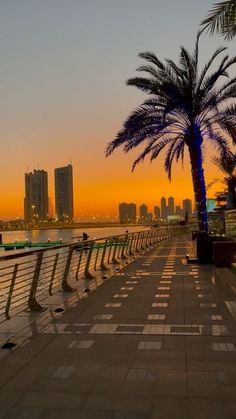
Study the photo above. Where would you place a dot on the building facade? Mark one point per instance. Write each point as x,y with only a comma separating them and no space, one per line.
36,196
171,205
187,206
157,213
143,213
163,208
64,202
127,213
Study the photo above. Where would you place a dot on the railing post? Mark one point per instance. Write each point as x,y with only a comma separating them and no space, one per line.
110,250
139,236
53,274
142,247
103,266
125,244
148,240
87,274
79,263
132,240
11,289
96,258
65,286
114,260
32,303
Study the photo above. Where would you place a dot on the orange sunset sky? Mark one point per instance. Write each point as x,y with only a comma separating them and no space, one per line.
63,96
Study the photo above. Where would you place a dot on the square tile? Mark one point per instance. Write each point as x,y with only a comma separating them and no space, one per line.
115,305
82,344
223,347
131,282
149,345
137,374
103,329
216,317
60,371
129,328
159,305
156,317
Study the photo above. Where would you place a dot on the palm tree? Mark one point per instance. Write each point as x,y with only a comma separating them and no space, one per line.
222,19
226,162
185,108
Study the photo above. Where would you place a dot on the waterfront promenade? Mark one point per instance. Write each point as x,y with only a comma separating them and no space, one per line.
157,340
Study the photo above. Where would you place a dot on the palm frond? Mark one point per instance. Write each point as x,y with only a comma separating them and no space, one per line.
151,58
153,150
222,19
208,65
173,151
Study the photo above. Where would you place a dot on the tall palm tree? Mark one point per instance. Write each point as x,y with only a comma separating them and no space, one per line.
185,108
222,19
226,162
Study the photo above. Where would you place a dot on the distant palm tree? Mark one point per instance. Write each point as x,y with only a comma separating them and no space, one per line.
185,108
222,19
226,162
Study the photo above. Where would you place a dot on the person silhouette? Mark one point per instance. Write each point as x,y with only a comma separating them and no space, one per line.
84,236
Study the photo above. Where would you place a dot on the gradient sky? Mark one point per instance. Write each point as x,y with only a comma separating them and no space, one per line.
63,69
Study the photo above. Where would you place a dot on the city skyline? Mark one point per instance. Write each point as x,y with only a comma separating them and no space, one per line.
46,113
167,210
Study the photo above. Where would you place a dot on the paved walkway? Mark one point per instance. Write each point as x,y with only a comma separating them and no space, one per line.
157,340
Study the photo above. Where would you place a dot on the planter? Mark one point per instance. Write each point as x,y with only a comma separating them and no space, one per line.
205,246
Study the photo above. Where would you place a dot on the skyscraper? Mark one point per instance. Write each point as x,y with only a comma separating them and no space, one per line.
157,213
171,205
187,206
36,196
163,208
64,203
127,213
143,213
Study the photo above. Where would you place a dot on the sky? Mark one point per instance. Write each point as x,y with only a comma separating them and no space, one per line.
63,67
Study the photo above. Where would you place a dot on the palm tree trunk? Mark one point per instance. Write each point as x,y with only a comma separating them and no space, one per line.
199,185
231,192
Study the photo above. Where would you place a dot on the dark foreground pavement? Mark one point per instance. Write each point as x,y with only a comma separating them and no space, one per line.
157,340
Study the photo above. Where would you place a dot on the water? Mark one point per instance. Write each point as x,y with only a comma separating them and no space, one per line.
67,235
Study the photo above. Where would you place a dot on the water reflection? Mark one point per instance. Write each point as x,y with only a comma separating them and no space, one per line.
65,234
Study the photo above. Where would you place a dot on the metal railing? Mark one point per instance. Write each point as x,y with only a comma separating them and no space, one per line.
27,279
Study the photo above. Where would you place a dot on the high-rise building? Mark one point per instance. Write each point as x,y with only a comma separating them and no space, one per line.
163,208
143,213
127,213
157,213
187,206
171,205
36,196
64,203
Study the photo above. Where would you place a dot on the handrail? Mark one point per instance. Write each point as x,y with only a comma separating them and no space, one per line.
28,279
84,242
